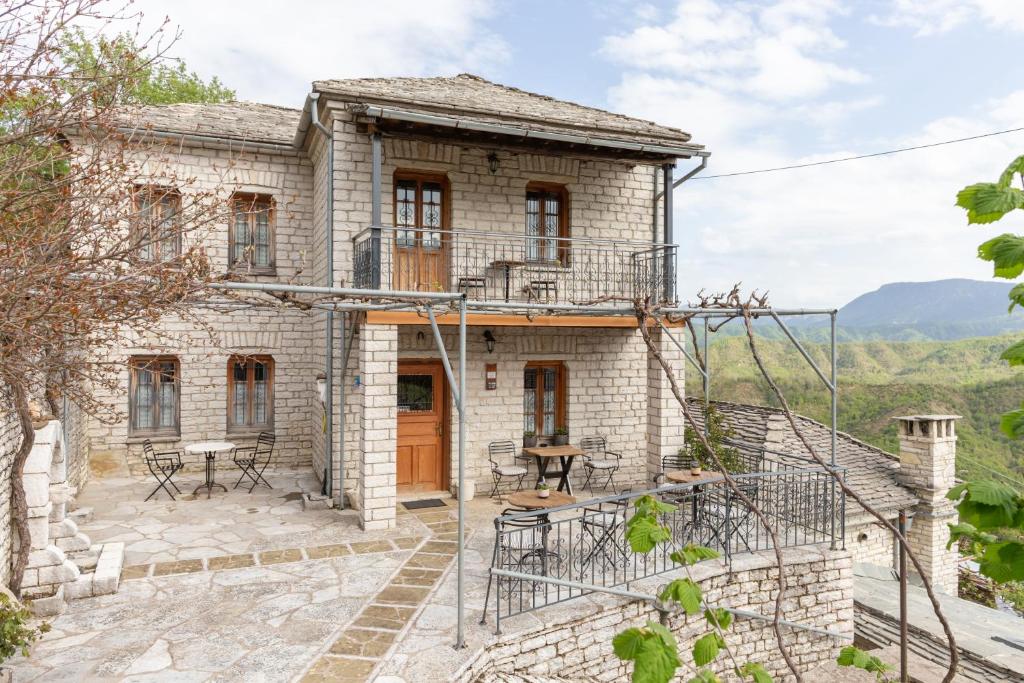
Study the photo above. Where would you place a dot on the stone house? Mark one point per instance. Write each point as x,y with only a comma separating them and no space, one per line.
516,200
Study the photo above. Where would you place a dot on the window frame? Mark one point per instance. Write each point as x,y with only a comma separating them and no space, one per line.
250,360
140,362
561,394
563,243
159,192
251,200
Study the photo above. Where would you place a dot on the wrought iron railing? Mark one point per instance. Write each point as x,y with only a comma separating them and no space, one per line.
585,543
514,268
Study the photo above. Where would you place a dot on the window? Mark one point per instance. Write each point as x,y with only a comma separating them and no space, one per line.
415,393
154,389
419,203
155,223
250,393
544,397
546,221
252,232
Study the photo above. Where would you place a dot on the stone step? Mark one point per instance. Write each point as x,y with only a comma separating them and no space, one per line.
86,560
81,515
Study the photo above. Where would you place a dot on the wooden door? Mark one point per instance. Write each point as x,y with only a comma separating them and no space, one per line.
420,247
422,428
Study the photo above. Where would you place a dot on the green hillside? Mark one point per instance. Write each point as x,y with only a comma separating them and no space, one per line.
881,379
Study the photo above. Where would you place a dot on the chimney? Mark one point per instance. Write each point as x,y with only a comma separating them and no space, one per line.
927,466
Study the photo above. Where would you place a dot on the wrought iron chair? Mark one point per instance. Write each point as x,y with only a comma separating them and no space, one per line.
253,460
519,545
497,454
162,466
603,527
597,458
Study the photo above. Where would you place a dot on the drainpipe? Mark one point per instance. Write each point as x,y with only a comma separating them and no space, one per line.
665,192
375,209
669,275
329,326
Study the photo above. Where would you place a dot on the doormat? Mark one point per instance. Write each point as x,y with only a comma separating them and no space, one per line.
425,503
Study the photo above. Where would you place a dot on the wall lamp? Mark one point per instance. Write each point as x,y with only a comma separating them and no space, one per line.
489,340
492,163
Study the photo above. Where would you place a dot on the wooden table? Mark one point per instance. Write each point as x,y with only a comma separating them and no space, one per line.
210,449
531,501
687,477
565,455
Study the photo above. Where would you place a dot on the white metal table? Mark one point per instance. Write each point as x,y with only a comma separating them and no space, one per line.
210,449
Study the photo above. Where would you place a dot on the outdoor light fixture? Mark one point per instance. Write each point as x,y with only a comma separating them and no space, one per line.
321,387
489,340
492,163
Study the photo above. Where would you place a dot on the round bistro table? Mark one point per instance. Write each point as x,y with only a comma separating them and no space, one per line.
210,449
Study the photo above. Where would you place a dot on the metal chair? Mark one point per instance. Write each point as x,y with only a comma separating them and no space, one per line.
519,545
162,466
597,458
497,454
253,460
604,528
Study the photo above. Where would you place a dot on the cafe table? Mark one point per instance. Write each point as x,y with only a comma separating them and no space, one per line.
697,481
210,449
531,500
565,454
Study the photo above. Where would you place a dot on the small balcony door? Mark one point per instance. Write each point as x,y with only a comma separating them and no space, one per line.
420,248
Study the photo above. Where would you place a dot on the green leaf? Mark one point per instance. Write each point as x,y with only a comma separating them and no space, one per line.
852,655
1016,297
1014,355
684,592
1006,252
645,533
989,505
706,648
666,636
718,617
992,493
756,671
1016,167
691,554
1012,424
627,644
649,505
705,676
988,202
1003,562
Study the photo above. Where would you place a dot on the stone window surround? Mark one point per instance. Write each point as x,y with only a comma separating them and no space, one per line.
268,425
255,197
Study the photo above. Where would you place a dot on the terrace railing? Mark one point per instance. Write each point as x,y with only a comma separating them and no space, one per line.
514,268
584,544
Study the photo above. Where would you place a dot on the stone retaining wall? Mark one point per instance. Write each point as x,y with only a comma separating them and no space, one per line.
10,440
820,593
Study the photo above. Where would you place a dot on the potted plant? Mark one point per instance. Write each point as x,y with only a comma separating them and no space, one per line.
529,439
561,437
543,490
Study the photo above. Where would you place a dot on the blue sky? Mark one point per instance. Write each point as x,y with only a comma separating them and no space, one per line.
762,84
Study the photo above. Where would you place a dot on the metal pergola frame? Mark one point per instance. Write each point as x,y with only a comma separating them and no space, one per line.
363,300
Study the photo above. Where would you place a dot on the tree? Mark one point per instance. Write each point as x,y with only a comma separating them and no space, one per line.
94,60
75,220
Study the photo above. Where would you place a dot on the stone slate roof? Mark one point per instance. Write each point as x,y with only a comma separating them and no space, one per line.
870,471
246,121
478,99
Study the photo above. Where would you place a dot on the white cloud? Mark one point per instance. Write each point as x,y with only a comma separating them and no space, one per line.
270,53
930,17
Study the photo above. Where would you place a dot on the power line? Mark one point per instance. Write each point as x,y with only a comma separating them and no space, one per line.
860,156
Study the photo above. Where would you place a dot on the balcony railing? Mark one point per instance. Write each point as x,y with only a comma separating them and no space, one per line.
512,268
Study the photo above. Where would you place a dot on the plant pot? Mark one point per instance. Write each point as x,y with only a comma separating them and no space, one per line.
560,439
529,441
543,493
696,470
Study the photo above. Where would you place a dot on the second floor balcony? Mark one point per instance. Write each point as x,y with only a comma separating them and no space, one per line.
511,269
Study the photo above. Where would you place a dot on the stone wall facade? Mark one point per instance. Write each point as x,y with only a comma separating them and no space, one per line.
819,593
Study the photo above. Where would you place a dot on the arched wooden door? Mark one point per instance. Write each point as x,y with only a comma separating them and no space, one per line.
422,427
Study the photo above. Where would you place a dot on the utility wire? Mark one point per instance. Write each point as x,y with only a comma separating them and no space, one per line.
860,156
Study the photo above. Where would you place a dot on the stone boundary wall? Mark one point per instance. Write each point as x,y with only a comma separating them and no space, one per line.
820,593
10,441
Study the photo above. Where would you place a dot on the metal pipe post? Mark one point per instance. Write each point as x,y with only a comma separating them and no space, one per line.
669,274
707,378
834,412
460,638
904,677
375,210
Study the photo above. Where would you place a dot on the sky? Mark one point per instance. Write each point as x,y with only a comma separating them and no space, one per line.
761,83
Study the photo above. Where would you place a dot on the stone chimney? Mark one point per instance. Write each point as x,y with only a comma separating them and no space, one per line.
927,466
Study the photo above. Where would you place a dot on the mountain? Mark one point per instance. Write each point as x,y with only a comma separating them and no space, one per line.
940,310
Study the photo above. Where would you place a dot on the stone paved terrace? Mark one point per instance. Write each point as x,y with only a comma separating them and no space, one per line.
251,587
